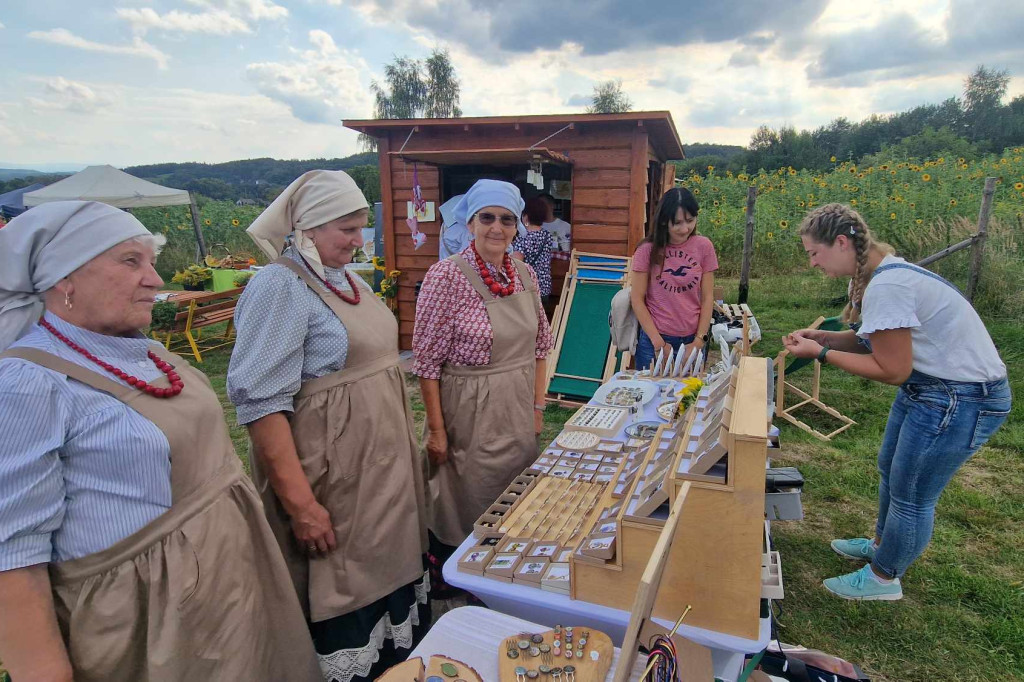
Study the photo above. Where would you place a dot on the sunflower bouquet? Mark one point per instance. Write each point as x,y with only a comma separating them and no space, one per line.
389,288
688,394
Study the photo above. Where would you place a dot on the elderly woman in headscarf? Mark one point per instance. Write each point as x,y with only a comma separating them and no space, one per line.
480,343
315,378
132,545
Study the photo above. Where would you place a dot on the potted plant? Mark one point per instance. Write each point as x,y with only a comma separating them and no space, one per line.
164,313
225,269
242,278
193,278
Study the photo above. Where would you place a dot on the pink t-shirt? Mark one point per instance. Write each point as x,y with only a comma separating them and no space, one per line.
673,291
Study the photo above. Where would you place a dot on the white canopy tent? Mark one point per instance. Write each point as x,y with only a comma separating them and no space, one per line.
109,185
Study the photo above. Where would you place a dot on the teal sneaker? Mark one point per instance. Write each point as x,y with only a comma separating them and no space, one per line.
858,549
862,586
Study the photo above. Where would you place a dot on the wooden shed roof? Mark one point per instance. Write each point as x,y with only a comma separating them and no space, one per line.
659,125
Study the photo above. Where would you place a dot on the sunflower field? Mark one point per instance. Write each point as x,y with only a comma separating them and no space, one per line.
223,225
919,208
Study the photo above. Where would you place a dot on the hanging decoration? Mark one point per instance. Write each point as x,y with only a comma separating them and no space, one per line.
418,238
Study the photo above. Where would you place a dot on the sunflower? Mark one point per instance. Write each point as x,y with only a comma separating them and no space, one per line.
918,221
771,235
926,177
716,202
783,224
941,159
912,204
792,171
833,159
884,166
234,222
952,202
892,216
206,222
961,161
853,202
800,204
1018,186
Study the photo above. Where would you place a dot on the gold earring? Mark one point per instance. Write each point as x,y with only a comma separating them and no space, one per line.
67,301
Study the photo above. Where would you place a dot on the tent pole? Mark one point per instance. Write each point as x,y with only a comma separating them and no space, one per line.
200,244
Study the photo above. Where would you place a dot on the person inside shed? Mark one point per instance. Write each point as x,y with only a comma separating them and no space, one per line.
560,229
534,245
480,341
315,378
673,281
132,544
918,332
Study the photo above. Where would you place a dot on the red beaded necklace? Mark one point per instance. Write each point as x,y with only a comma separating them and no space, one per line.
351,300
496,288
176,383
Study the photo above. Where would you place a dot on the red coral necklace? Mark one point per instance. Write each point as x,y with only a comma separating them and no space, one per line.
351,300
496,288
176,383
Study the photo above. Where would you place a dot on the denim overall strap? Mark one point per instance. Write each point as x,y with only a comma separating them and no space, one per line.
918,269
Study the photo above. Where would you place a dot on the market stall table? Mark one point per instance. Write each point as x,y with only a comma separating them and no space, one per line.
550,608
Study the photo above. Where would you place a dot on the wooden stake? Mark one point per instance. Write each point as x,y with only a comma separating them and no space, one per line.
748,245
978,248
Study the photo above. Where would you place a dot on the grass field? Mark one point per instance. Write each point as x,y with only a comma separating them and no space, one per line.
962,616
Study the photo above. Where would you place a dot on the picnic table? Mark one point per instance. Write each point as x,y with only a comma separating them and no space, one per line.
198,309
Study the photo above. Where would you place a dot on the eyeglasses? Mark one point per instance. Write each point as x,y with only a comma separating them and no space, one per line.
486,218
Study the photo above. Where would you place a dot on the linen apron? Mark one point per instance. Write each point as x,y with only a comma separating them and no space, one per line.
354,436
199,593
488,413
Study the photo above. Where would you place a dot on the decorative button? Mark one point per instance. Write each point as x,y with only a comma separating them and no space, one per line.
449,670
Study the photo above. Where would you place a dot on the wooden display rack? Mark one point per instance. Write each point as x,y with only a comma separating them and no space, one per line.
812,399
715,559
742,311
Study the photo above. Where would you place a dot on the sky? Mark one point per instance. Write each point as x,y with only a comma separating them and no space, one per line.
130,82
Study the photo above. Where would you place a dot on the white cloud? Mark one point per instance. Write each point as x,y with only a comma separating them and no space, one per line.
215,22
2,25
252,10
138,48
323,85
65,95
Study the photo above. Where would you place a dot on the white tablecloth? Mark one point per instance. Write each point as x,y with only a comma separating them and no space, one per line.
474,635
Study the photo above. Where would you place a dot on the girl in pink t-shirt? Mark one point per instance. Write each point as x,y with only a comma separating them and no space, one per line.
672,288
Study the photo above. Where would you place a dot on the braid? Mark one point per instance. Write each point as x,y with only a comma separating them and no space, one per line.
826,223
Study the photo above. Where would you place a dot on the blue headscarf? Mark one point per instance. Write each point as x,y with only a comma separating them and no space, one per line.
486,193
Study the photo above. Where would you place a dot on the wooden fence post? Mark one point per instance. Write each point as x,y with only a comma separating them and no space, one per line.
978,248
748,245
194,211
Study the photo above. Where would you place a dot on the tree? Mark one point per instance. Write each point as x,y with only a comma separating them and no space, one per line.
982,105
609,99
413,89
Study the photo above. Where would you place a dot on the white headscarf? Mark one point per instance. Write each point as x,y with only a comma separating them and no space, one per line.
313,198
46,244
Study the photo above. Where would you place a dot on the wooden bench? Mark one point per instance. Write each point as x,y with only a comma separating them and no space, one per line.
198,310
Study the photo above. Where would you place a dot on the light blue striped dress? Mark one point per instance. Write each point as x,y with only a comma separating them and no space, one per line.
287,335
79,469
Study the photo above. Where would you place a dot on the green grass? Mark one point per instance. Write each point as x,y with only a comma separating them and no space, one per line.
962,616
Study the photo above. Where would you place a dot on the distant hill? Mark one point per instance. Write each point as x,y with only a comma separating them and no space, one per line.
700,155
259,179
15,173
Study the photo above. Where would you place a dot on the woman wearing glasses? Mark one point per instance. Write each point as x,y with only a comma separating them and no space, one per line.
480,341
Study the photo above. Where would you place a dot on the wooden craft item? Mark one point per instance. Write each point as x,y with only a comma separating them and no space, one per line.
707,458
599,546
589,668
603,420
582,476
476,559
491,541
554,511
547,550
648,503
593,457
413,670
609,446
562,472
517,545
589,467
540,468
577,440
556,578
531,570
572,454
567,462
603,478
503,566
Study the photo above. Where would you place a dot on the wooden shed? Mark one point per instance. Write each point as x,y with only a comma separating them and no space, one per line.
615,166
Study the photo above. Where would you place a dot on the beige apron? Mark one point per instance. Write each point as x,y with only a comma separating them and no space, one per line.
199,593
488,414
354,435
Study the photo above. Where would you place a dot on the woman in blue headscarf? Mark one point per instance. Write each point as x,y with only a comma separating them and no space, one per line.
480,343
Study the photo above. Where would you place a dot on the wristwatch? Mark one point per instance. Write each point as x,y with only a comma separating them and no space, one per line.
823,353
540,407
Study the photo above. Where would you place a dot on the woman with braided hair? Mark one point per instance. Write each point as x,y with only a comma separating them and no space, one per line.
918,332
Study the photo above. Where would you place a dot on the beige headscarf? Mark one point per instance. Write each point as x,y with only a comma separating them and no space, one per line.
313,198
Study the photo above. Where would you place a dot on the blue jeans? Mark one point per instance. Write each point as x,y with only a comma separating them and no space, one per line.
645,354
934,427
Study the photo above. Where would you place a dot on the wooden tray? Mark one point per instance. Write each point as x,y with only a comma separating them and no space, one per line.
587,669
412,670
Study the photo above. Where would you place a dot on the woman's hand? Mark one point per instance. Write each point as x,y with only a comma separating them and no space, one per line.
697,344
801,346
538,421
437,447
819,336
659,344
313,530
